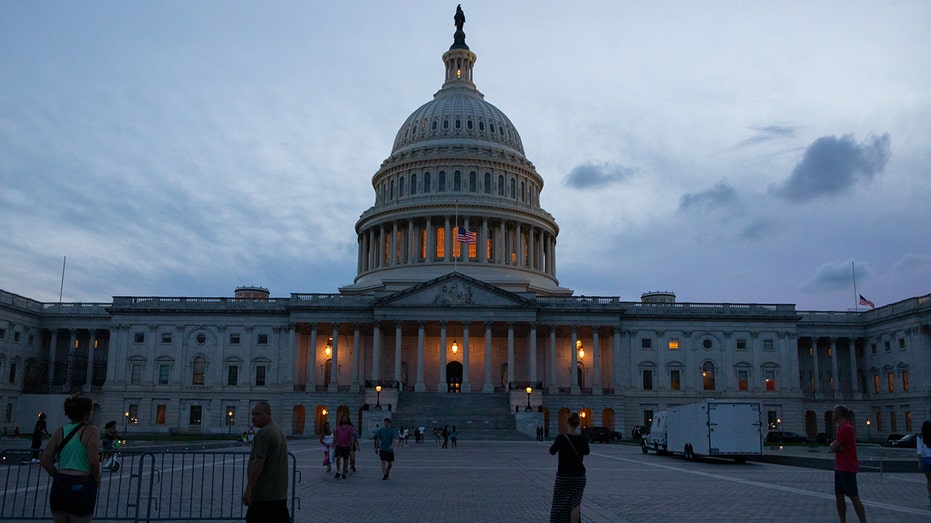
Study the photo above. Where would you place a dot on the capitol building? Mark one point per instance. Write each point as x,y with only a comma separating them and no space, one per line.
456,315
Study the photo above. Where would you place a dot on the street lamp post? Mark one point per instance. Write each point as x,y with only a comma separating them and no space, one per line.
869,434
529,390
778,423
378,397
229,421
126,422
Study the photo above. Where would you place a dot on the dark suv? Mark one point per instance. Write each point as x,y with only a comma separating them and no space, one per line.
593,434
784,436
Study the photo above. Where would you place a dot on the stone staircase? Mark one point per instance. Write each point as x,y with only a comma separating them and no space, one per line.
477,416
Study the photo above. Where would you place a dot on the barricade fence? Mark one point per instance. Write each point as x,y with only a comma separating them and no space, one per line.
146,486
871,456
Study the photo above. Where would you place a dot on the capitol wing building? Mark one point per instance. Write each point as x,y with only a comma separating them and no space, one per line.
456,316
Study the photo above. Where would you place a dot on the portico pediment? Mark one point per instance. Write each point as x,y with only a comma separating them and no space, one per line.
454,290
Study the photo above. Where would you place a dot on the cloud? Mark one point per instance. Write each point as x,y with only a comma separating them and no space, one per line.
758,229
721,195
593,176
767,133
833,165
912,262
835,276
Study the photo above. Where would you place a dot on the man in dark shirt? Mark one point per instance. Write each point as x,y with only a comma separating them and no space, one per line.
266,492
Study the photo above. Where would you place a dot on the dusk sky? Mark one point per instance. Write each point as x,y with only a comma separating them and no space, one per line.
726,151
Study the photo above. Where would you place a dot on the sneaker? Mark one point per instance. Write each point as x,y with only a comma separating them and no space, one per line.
337,475
328,468
384,477
344,475
353,467
34,460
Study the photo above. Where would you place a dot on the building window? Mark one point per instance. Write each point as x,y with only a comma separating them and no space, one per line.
234,339
706,344
135,374
772,420
500,185
905,380
32,339
743,380
18,336
879,421
196,415
13,372
741,344
413,184
873,348
648,418
2,333
646,343
133,413
232,375
201,338
893,422
200,371
260,375
674,343
707,375
166,337
441,181
487,184
440,243
161,414
473,181
769,379
647,379
138,337
890,381
262,339
230,415
457,181
8,417
674,380
163,370
902,343
876,383
768,345
887,346
908,421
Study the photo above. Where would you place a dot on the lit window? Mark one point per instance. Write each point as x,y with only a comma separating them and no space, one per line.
893,423
133,413
161,414
707,375
879,421
769,377
890,379
908,421
440,243
876,383
743,380
674,380
674,343
905,381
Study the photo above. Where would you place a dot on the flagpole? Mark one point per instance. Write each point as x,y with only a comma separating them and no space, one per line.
456,239
856,301
61,289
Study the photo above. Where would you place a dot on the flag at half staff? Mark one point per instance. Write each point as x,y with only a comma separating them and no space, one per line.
868,303
465,236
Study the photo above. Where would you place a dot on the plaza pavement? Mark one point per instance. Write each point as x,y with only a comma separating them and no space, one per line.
513,481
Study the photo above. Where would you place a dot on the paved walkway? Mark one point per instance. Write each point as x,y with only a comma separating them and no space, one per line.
513,481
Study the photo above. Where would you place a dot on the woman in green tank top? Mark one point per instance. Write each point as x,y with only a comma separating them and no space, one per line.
72,459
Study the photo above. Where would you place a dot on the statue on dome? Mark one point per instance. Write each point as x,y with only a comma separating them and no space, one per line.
459,18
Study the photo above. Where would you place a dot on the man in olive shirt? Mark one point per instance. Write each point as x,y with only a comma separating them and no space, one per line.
266,492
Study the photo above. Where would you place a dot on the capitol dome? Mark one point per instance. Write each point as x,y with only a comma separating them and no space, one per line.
457,194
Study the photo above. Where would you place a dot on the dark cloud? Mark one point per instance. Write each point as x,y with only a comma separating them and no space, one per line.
592,176
833,165
767,133
721,195
758,229
835,276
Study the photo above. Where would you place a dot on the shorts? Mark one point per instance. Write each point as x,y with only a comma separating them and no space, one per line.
925,463
268,512
340,452
386,455
845,484
75,495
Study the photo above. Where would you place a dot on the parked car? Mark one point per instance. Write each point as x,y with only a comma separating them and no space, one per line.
593,434
893,437
908,441
785,436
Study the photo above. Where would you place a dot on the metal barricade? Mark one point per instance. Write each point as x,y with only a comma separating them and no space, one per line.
870,456
148,486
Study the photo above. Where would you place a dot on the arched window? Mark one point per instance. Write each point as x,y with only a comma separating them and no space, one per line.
441,182
401,187
487,183
440,243
707,375
391,194
473,181
199,376
426,182
512,189
413,184
457,181
500,185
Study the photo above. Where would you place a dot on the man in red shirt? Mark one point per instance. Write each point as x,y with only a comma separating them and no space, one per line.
846,465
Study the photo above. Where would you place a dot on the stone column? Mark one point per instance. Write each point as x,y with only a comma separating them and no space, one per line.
89,374
510,354
503,256
489,385
442,386
53,356
69,359
420,386
311,378
554,383
466,385
356,355
376,351
616,360
410,243
334,361
397,354
816,367
834,375
574,363
596,363
532,354
854,379
393,245
531,254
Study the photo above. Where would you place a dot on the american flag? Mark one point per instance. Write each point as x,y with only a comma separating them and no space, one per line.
868,303
465,236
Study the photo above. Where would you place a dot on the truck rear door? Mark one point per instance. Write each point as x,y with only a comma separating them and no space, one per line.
734,428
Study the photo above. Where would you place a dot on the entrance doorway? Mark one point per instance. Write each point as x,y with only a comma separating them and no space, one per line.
453,376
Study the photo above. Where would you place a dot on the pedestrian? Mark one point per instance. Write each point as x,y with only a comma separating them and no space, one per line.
384,442
326,440
924,453
846,465
40,431
75,448
342,444
570,474
453,436
266,492
353,449
445,436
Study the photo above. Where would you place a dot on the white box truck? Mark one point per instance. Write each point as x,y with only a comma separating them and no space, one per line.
716,428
